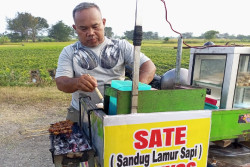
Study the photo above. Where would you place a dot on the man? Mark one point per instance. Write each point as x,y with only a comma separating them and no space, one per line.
95,60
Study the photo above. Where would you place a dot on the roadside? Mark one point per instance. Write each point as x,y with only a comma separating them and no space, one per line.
25,115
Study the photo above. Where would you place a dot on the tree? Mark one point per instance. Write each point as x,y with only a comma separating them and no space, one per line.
145,35
108,32
150,35
39,24
241,37
24,25
224,35
166,39
15,37
61,32
210,34
129,34
20,25
187,35
155,35
3,38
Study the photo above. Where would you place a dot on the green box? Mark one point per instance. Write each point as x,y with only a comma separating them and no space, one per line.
225,125
178,99
123,86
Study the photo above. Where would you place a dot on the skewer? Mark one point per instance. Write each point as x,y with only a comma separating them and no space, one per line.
98,92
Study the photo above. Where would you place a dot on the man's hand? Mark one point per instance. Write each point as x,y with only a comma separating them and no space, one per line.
86,83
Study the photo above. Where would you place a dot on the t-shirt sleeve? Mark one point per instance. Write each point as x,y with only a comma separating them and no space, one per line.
128,51
65,65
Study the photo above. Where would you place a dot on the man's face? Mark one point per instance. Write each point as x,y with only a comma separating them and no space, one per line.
89,26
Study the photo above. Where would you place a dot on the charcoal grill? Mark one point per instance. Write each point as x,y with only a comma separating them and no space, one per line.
66,150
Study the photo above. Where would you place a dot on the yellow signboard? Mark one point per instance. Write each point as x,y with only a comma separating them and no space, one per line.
172,139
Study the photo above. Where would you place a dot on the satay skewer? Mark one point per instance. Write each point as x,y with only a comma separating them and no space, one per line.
98,92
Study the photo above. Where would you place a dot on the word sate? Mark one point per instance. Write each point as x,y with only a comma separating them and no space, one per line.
162,137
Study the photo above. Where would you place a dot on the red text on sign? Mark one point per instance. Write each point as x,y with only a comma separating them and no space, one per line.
160,137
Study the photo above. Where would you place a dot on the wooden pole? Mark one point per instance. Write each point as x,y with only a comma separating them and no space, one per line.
137,49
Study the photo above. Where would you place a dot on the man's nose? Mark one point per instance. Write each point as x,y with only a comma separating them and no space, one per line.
91,31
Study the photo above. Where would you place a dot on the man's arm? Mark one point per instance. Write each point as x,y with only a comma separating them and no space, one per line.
147,72
69,85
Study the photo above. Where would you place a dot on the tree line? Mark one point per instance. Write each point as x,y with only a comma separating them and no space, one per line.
212,34
25,27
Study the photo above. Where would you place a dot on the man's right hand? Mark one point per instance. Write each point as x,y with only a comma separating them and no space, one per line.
86,83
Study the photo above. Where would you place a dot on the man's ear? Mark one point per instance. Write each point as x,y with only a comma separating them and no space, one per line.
104,21
74,26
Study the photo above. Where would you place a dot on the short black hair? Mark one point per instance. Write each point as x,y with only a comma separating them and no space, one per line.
85,5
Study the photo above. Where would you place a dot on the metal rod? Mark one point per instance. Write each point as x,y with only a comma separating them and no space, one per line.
178,61
80,113
90,133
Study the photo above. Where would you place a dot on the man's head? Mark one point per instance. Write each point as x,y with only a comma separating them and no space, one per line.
89,24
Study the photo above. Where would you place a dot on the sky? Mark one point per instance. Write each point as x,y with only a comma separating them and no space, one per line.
196,16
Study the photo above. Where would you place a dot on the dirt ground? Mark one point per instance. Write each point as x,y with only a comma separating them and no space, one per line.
25,115
27,148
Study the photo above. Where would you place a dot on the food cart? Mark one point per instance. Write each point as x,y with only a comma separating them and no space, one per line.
171,127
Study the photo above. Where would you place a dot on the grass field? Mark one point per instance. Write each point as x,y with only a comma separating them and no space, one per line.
19,62
30,64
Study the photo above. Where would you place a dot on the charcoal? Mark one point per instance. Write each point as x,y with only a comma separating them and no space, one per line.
74,142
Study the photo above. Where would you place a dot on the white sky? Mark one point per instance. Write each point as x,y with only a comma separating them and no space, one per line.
197,16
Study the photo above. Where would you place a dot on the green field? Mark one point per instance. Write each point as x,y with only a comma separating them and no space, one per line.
19,62
164,55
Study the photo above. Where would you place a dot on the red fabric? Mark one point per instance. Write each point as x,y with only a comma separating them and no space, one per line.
211,101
